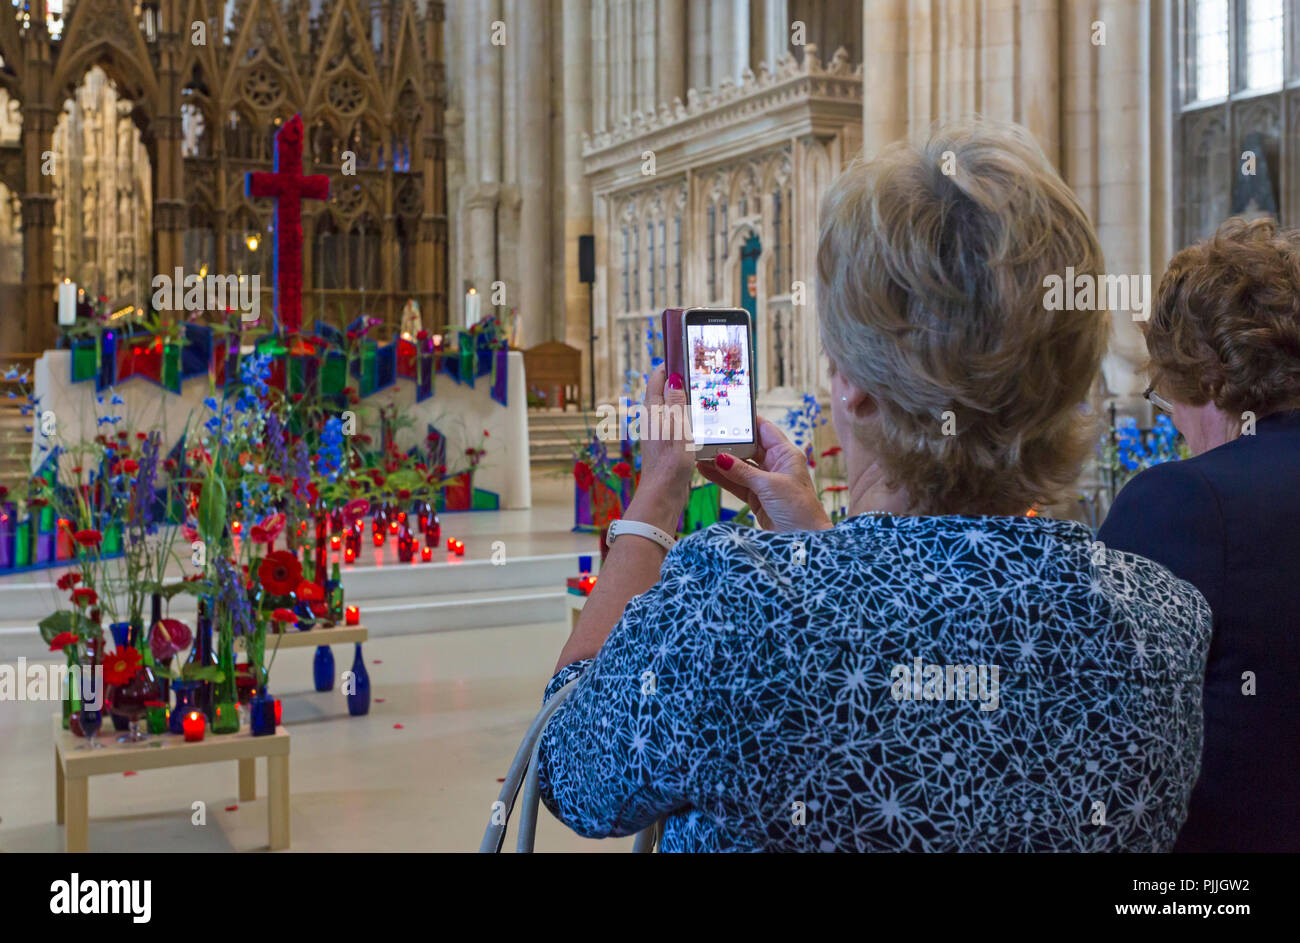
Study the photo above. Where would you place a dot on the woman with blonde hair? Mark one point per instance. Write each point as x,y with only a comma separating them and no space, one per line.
939,671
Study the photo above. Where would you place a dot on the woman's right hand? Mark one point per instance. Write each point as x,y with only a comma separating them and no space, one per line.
780,490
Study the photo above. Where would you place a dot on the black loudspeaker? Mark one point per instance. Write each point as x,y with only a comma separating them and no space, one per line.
587,259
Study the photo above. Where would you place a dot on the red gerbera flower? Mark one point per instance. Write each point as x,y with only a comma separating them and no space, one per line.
280,573
68,580
84,596
62,641
88,538
122,665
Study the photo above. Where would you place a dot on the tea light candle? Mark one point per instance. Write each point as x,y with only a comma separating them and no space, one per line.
460,548
194,724
335,542
451,544
426,554
236,527
350,555
352,615
379,538
278,711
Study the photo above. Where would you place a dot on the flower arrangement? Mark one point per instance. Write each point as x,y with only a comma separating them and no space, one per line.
1129,449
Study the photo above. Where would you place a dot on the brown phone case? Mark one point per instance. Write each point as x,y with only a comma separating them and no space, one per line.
674,355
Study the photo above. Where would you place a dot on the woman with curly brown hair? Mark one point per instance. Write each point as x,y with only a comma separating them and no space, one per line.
1224,345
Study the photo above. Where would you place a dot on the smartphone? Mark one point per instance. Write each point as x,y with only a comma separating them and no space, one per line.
712,349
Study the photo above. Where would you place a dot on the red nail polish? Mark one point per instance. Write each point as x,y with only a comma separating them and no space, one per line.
724,461
675,381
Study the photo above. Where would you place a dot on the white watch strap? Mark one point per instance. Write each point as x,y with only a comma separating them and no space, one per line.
641,529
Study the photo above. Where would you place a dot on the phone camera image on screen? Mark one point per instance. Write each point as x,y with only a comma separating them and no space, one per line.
717,360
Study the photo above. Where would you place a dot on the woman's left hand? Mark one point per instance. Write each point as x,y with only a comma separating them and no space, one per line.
666,463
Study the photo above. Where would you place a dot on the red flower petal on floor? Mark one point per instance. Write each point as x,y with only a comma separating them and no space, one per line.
398,727
379,700
232,808
129,772
376,661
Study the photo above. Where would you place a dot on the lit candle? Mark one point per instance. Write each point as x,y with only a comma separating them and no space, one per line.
451,544
426,554
353,615
472,306
236,527
350,555
335,542
379,538
460,548
67,303
194,724
278,711
392,527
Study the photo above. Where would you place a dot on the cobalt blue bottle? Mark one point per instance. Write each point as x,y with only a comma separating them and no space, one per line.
322,668
359,696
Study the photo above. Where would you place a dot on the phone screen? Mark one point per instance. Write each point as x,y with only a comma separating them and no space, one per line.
721,388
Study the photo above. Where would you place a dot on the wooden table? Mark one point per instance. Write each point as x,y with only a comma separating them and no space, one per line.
339,635
73,769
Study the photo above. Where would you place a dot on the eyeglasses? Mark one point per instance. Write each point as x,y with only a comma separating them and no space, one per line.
1158,401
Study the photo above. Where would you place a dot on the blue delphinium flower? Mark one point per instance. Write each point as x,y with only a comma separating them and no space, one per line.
330,456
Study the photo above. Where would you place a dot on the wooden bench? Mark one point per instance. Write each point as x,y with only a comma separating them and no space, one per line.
555,370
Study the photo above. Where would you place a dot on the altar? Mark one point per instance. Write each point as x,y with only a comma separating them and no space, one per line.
460,411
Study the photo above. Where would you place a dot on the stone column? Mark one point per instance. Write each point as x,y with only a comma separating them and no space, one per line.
697,25
721,41
532,139
885,73
599,64
578,89
671,43
644,28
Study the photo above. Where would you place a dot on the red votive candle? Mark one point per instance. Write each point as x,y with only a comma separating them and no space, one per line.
350,555
278,711
451,544
335,542
236,527
426,554
352,615
194,724
379,538
460,548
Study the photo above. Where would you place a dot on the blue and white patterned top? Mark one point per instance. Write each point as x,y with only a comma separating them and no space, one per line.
761,695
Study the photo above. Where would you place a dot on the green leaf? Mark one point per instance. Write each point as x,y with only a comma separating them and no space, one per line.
184,587
66,621
212,509
203,673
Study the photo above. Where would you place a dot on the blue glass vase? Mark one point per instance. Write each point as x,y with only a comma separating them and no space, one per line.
261,715
119,631
359,693
322,668
187,700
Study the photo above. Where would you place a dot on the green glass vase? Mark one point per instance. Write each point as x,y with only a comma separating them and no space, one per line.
72,697
227,706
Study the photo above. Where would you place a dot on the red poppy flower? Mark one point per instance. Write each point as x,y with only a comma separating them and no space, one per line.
284,615
622,469
582,475
68,580
280,573
84,596
88,538
169,636
122,665
62,641
310,592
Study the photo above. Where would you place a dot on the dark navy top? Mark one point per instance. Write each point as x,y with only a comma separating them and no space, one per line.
1228,521
892,683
